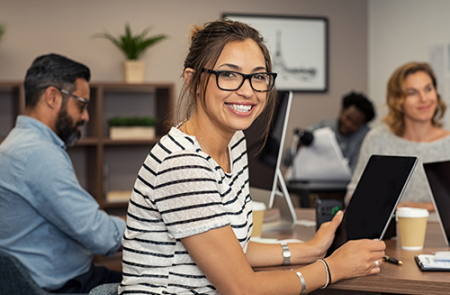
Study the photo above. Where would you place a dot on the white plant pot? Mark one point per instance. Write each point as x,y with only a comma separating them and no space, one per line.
134,71
137,132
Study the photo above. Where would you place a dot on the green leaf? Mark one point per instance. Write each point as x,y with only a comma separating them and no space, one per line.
132,46
2,30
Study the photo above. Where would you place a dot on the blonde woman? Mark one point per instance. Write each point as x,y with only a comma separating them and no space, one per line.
412,127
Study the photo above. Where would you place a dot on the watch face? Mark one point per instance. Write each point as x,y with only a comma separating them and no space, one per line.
286,254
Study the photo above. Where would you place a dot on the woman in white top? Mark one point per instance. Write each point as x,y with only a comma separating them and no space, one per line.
189,219
412,128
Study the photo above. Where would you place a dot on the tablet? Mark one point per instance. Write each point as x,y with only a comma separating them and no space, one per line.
374,200
438,176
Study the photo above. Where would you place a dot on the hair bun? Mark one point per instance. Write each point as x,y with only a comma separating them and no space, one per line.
195,29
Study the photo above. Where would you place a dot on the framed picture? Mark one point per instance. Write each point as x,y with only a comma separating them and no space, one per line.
298,46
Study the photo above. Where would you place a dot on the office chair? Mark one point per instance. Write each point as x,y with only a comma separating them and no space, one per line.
105,289
15,279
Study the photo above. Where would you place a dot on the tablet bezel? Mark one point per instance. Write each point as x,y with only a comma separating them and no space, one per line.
442,165
360,192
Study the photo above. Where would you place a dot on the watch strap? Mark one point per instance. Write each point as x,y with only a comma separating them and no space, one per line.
286,254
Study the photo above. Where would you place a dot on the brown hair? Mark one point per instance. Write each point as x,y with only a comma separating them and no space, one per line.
207,43
396,95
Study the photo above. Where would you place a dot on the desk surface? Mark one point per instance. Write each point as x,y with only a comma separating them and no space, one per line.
400,279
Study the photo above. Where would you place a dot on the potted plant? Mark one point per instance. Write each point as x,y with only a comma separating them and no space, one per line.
2,30
132,127
133,46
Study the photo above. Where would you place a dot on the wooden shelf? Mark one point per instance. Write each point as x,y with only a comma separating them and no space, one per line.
107,205
108,141
103,164
87,141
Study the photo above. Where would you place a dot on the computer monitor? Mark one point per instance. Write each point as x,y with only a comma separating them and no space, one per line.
266,180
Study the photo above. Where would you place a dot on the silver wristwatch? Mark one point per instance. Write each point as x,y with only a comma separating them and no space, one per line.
286,254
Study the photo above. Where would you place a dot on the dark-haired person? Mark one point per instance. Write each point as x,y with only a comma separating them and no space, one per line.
412,128
350,127
189,219
49,222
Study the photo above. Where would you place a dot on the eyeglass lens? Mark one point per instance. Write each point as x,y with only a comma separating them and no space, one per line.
84,101
83,105
233,81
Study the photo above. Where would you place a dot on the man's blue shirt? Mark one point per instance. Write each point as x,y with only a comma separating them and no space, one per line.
48,221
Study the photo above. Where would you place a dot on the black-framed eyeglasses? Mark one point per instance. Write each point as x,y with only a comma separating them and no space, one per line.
81,99
231,80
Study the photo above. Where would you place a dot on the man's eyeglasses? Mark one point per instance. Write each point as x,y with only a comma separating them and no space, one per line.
85,101
231,81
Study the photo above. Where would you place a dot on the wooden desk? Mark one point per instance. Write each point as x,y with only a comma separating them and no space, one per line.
393,279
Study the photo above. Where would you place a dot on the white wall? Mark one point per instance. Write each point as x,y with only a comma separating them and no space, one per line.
66,27
401,31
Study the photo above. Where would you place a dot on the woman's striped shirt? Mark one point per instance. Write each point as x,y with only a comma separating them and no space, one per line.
181,191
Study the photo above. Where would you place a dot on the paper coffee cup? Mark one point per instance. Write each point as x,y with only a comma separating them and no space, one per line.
412,226
258,217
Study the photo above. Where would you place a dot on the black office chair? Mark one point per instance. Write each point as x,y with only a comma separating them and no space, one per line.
15,279
105,289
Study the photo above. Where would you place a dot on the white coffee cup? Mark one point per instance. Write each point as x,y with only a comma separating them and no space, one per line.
258,217
412,226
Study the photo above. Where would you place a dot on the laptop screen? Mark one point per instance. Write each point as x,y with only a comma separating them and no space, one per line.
438,175
375,198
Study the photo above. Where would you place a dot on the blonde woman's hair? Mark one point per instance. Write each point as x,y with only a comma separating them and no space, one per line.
396,96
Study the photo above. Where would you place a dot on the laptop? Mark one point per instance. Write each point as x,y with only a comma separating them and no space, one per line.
375,199
438,175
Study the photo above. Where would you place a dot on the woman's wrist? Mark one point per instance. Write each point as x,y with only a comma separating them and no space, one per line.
303,253
335,274
286,254
328,273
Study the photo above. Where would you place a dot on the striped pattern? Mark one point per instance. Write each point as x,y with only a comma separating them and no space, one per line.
179,192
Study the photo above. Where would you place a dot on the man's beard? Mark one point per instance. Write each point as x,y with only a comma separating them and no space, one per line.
66,129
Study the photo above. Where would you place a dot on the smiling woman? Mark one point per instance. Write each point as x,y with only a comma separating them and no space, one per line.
413,82
413,128
191,210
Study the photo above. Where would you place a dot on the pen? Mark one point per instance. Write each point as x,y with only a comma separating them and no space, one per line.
392,260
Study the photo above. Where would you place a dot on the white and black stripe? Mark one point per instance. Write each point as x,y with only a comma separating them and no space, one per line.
179,192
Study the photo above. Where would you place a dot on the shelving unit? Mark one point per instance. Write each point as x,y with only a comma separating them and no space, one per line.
103,164
12,100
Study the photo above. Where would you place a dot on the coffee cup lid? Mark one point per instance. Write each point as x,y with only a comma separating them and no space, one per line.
258,206
411,212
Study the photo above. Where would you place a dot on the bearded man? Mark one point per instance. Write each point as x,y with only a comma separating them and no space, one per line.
49,222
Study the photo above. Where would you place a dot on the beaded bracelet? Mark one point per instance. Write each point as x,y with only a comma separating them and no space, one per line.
302,280
328,273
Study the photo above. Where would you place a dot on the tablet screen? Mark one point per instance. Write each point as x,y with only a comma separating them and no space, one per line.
438,175
375,198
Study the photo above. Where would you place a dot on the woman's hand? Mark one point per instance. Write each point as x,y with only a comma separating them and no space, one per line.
316,247
356,258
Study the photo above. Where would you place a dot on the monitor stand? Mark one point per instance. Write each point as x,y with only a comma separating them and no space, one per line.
280,200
